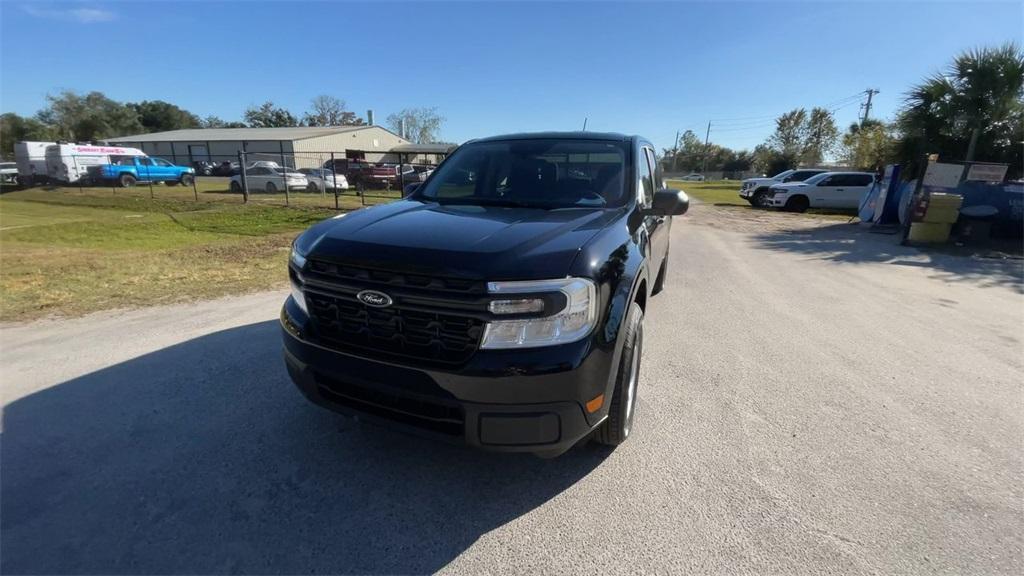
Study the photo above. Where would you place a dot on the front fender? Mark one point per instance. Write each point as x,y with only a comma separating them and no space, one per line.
619,267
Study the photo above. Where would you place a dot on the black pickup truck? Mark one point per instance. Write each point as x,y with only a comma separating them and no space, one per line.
500,303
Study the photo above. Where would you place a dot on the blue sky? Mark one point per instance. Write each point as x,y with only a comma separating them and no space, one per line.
489,68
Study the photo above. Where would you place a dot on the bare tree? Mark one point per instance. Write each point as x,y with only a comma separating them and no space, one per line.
330,111
422,125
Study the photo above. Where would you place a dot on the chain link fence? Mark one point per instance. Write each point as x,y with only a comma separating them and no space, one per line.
316,179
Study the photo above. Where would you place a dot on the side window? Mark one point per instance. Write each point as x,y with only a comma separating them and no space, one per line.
658,184
161,162
143,161
645,187
828,181
863,180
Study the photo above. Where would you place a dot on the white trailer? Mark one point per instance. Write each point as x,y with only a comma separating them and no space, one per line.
70,162
31,160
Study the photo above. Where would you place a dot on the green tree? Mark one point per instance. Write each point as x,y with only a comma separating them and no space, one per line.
217,122
868,146
790,133
90,117
330,111
820,135
972,111
269,116
422,125
15,128
160,116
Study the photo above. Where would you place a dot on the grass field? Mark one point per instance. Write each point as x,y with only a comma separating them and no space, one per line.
70,251
714,192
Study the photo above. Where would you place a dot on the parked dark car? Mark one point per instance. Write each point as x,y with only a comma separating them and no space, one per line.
227,169
203,167
500,304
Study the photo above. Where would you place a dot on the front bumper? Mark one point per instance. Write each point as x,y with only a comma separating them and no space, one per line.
778,200
503,400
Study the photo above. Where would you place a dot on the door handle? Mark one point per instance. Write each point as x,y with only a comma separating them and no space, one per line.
840,190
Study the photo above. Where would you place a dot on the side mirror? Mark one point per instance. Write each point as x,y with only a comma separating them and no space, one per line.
668,202
410,189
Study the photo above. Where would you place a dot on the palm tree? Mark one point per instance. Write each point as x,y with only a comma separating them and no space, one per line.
979,96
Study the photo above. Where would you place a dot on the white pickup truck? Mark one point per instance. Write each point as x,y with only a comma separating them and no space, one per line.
755,190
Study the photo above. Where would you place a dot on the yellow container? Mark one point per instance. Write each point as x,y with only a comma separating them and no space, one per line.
943,208
929,232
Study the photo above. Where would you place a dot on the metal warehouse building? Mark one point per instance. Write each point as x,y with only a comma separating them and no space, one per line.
299,147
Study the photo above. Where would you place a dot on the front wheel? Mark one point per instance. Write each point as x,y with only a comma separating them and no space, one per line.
759,199
797,204
236,187
126,180
186,179
617,426
312,187
271,188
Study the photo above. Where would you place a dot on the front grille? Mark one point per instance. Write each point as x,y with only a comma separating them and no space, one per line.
396,279
393,331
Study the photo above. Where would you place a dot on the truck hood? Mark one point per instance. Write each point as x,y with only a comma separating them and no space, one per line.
466,241
760,181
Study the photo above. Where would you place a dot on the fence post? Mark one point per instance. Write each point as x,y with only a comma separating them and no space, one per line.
245,181
195,191
334,175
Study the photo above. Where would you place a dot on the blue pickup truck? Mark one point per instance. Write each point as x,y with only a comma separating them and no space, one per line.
127,170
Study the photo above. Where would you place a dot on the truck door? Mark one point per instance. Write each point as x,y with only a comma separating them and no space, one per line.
144,166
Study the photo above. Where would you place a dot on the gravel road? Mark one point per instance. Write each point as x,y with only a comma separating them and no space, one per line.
814,399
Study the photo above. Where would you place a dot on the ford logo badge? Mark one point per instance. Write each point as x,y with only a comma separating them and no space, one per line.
374,298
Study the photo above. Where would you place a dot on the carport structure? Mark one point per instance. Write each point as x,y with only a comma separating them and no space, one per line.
420,154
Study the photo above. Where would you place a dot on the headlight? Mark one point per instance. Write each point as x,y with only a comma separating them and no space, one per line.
297,258
573,322
298,296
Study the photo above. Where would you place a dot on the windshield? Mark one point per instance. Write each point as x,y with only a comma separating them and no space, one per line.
816,178
782,175
542,173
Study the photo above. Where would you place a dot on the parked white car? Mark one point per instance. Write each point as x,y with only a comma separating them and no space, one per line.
693,177
324,179
837,190
270,180
755,190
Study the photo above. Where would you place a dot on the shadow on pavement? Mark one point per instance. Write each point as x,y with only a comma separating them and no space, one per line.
853,244
203,458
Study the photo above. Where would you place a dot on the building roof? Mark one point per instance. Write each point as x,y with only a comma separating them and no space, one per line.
248,134
423,148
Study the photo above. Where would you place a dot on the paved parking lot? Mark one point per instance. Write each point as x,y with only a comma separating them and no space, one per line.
814,399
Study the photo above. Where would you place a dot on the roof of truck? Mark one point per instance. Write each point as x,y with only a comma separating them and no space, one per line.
575,135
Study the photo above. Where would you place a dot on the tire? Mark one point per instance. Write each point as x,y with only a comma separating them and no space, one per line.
312,187
236,187
186,180
798,204
271,188
759,199
126,180
616,428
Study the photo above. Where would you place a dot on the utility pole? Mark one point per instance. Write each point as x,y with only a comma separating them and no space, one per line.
675,152
867,105
704,162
